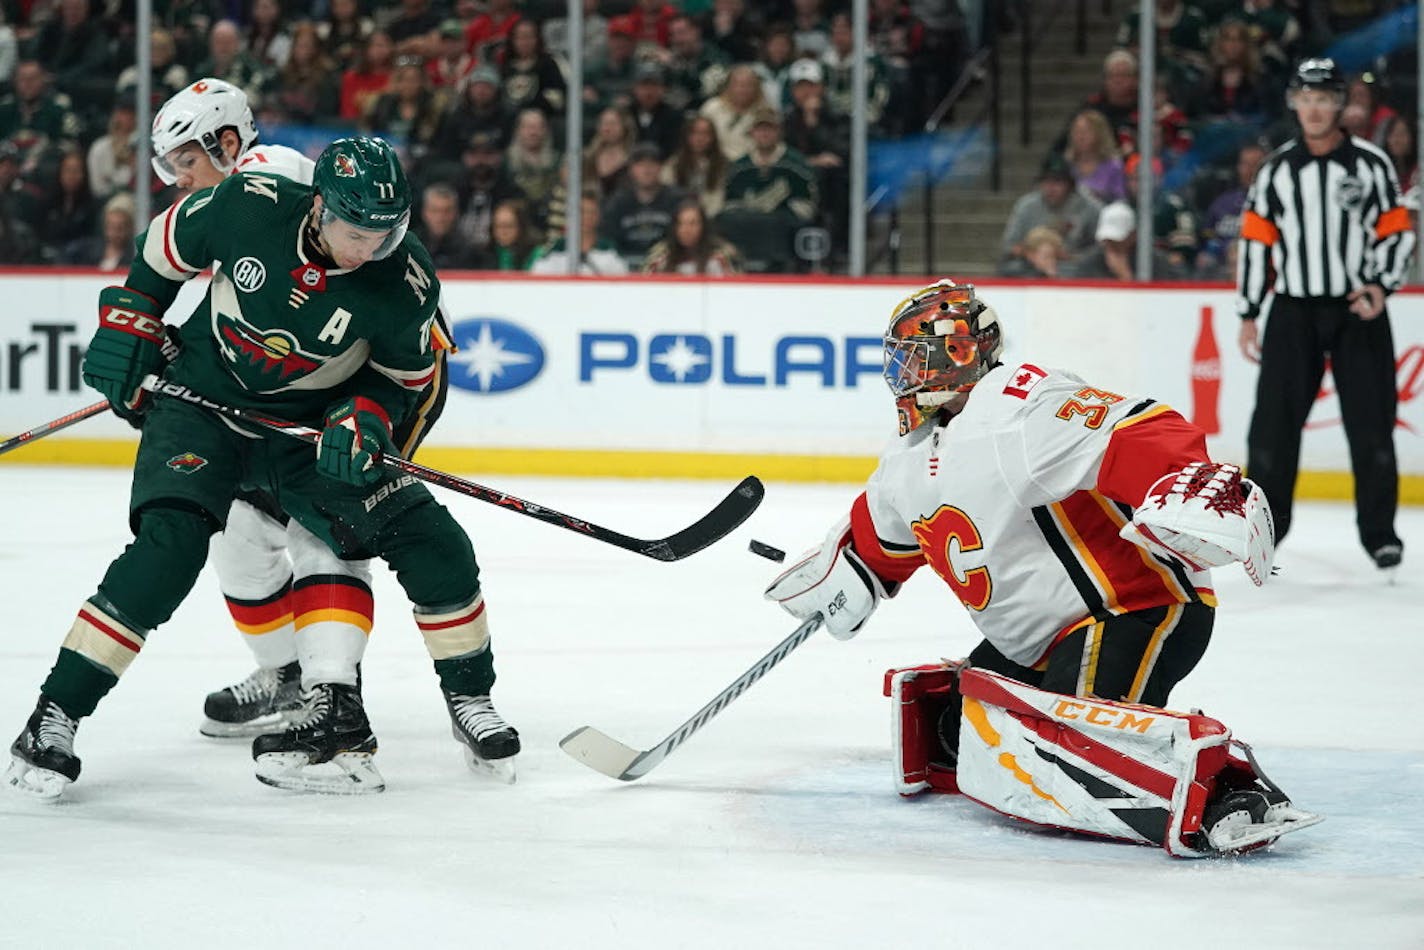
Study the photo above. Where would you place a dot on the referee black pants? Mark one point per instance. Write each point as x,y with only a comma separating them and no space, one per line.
1300,333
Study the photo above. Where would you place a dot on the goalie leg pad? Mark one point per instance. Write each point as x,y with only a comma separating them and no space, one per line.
1134,773
919,696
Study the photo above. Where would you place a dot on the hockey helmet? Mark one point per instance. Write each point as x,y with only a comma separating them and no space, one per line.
1320,74
199,114
941,341
361,182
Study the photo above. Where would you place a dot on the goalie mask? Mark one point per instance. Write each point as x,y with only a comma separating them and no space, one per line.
199,114
361,182
941,341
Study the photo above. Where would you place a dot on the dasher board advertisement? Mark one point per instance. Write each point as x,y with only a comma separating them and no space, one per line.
766,368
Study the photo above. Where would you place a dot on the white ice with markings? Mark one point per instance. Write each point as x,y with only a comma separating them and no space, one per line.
775,826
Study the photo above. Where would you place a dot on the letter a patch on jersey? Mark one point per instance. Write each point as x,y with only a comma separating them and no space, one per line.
1023,380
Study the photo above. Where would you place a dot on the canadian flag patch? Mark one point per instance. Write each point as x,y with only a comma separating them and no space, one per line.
1023,379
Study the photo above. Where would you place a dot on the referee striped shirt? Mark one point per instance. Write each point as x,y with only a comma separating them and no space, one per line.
1323,225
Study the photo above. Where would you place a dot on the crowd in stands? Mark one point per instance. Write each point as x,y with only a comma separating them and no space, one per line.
715,131
1219,109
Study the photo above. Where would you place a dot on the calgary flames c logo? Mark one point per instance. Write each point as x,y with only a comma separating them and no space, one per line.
948,525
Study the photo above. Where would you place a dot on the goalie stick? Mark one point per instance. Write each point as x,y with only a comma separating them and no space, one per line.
730,512
602,753
53,426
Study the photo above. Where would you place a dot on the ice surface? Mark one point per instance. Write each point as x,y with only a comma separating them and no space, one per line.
775,826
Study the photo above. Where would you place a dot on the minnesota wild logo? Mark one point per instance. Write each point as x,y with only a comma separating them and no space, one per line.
276,355
187,463
345,167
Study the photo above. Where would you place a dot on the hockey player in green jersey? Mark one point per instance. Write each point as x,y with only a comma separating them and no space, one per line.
320,311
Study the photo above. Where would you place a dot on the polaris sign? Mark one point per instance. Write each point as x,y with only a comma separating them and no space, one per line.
693,359
493,355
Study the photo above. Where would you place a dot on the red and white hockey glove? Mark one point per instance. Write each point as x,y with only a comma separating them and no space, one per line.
832,581
1205,516
127,346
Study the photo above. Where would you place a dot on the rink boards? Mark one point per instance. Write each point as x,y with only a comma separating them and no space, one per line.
680,378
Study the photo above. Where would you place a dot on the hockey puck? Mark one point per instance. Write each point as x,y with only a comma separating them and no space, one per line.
767,551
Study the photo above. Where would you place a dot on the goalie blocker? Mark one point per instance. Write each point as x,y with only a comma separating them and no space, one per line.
1135,773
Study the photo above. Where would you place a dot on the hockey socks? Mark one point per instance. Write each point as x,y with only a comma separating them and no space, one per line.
458,640
99,647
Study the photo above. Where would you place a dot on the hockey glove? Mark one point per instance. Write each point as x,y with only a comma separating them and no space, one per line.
1207,516
834,582
127,347
357,434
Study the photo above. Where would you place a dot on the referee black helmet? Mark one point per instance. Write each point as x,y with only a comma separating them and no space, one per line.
1318,74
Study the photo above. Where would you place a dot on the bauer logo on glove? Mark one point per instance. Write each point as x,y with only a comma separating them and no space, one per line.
1206,516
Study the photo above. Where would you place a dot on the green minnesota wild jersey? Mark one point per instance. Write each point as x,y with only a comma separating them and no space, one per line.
277,331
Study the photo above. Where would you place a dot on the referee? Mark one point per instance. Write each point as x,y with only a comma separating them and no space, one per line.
1324,217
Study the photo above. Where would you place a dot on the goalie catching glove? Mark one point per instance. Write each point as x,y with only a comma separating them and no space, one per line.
1205,516
127,347
357,434
832,581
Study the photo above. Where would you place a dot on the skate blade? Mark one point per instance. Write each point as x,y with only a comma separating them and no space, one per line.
1261,834
261,726
348,773
501,770
37,783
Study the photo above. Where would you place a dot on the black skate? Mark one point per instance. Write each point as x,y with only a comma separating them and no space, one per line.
329,749
43,762
266,701
1251,815
489,742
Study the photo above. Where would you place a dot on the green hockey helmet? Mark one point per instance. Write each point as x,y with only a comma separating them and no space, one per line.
361,183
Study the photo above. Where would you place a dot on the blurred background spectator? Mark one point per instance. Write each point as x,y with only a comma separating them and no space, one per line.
691,249
1055,204
699,166
640,213
596,257
515,242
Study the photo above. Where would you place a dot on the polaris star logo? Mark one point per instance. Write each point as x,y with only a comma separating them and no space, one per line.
494,355
249,274
187,463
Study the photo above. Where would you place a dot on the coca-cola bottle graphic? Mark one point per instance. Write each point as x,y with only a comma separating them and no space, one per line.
1206,376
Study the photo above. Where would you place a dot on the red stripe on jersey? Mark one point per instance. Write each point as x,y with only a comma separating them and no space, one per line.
419,382
1143,448
1054,731
446,624
1127,582
170,223
894,565
120,638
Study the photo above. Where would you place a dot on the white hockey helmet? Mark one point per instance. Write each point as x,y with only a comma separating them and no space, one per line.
199,114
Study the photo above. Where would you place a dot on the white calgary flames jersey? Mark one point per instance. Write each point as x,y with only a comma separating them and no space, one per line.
276,160
1017,501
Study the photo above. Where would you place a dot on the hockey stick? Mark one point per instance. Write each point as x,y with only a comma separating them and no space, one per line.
710,528
602,753
53,426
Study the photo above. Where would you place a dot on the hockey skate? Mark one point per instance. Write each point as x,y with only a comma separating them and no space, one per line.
329,749
1250,812
267,700
490,743
43,762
